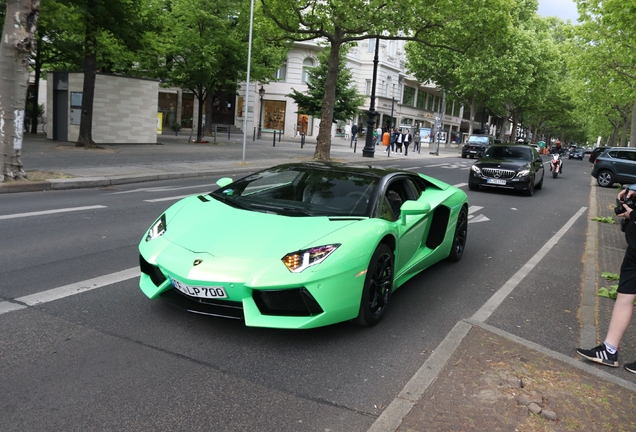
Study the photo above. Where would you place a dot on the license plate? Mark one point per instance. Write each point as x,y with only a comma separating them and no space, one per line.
472,151
496,181
199,291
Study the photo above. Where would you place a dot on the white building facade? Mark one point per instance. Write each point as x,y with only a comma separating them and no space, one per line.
401,101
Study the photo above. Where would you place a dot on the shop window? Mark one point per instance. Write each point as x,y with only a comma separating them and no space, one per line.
187,105
274,115
371,46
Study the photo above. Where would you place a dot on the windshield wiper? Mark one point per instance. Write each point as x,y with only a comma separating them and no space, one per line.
282,209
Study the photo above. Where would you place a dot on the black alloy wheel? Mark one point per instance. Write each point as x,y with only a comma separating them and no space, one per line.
461,234
530,190
378,286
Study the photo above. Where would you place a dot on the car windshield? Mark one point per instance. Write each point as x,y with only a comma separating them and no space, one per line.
477,140
302,191
509,152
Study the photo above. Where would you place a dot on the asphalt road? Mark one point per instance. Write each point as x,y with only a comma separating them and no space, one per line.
110,359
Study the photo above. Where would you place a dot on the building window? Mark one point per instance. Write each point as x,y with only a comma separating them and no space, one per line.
308,64
449,107
456,108
391,47
436,104
281,74
429,101
409,96
421,99
367,88
388,85
371,46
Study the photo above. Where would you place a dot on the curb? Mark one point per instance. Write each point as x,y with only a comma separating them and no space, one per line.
19,186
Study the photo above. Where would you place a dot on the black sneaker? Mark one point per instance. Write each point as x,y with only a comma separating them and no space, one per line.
600,355
631,367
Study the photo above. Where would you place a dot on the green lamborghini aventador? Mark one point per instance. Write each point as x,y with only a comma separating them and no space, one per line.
302,245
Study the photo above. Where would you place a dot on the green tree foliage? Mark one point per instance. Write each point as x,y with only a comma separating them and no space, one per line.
206,44
347,101
603,60
445,24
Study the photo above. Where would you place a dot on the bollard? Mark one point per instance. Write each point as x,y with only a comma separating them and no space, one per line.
228,132
280,135
302,140
355,144
274,135
254,137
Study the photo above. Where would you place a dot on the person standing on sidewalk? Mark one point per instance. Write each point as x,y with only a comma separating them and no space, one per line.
607,352
416,141
407,138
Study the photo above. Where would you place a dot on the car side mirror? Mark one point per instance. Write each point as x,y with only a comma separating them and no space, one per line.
412,207
222,182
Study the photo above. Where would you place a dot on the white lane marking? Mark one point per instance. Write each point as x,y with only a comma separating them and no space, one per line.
478,218
461,185
173,198
473,209
162,189
68,290
44,212
412,168
489,307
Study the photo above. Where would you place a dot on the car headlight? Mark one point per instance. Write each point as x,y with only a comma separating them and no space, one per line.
157,229
523,173
300,260
476,169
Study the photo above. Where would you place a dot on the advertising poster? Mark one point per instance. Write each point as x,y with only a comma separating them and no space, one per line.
425,135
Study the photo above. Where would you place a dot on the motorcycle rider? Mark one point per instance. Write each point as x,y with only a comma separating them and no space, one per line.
558,150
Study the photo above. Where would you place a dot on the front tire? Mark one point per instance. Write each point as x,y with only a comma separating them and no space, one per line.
378,285
555,173
540,184
473,186
461,234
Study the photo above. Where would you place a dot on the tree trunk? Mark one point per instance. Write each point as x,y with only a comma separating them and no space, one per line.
85,138
323,140
201,99
624,132
472,117
20,22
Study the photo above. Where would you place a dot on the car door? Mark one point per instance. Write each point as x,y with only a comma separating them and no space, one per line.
539,169
624,164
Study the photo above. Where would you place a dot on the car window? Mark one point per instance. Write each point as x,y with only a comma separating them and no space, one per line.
477,140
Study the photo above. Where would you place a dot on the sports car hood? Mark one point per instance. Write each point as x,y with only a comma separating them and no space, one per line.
509,164
220,230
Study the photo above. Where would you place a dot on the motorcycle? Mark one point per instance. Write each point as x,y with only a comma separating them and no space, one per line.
556,165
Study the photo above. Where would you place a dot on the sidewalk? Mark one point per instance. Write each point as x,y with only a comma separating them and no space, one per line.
480,378
174,157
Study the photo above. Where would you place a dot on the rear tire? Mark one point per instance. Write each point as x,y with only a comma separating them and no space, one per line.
378,285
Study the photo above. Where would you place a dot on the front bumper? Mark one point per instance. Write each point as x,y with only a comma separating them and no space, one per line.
287,300
521,184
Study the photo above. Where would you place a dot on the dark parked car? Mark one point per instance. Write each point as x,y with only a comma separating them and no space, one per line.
518,167
616,164
476,145
595,152
576,153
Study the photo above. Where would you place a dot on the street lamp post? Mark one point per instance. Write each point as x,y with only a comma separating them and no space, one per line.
369,147
261,93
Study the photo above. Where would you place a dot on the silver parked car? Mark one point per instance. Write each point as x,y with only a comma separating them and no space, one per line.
616,164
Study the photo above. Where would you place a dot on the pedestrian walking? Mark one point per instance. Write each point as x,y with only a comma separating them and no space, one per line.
379,135
398,142
607,352
416,142
347,131
406,140
394,136
386,139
